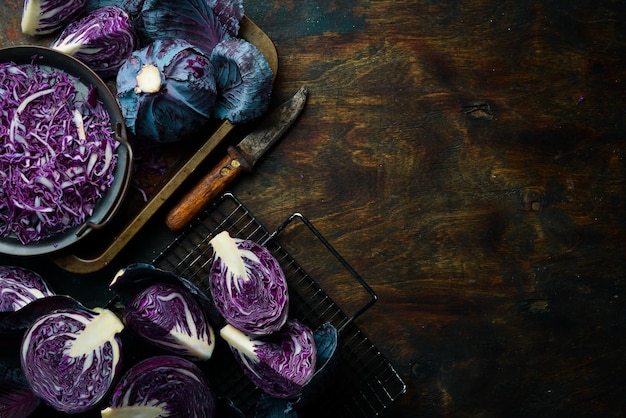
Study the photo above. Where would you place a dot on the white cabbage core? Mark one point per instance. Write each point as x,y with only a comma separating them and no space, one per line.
97,332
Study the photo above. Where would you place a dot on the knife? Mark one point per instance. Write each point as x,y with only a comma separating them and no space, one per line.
239,159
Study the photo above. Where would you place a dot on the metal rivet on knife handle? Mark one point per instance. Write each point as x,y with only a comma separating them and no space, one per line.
240,158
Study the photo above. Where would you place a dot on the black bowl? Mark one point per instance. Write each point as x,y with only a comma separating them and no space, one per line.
108,205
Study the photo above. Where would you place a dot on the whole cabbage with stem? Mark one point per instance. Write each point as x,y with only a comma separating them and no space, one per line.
166,90
102,39
243,75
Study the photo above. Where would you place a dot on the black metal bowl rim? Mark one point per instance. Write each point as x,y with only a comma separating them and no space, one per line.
113,198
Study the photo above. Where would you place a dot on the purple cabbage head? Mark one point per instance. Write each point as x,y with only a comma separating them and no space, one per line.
169,317
163,386
281,363
20,286
192,20
244,81
71,357
42,17
166,90
248,285
102,39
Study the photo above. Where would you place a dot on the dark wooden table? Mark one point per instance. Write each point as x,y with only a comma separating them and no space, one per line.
467,159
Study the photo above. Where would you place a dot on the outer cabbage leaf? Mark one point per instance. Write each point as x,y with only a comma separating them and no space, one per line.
248,285
132,7
244,81
166,90
162,386
225,408
324,379
192,20
42,17
13,325
281,363
16,400
169,317
102,39
71,357
20,286
229,13
271,407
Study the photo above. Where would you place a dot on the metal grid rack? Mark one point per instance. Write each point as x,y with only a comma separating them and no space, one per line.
366,382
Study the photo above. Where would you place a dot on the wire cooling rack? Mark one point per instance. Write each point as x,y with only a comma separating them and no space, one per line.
365,383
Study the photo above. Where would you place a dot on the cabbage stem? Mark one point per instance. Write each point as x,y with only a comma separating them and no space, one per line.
226,248
148,79
237,339
30,17
100,330
135,411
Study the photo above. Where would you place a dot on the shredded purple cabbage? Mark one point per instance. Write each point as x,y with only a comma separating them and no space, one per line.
57,152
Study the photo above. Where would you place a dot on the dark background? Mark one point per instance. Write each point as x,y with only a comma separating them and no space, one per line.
467,159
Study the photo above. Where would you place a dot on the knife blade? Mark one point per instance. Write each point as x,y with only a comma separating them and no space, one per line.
239,159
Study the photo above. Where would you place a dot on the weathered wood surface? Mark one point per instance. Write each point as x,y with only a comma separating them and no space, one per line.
467,159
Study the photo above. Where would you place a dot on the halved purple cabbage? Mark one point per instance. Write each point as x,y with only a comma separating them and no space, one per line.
191,20
162,386
20,286
244,81
102,39
71,357
42,17
166,90
169,317
281,363
248,285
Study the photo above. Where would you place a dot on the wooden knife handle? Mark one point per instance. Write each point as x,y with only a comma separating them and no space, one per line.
212,185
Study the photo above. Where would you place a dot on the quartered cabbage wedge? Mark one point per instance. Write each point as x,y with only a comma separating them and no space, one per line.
166,311
248,285
281,363
102,39
42,17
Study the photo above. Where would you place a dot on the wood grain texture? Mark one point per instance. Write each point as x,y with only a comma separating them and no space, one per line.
467,159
